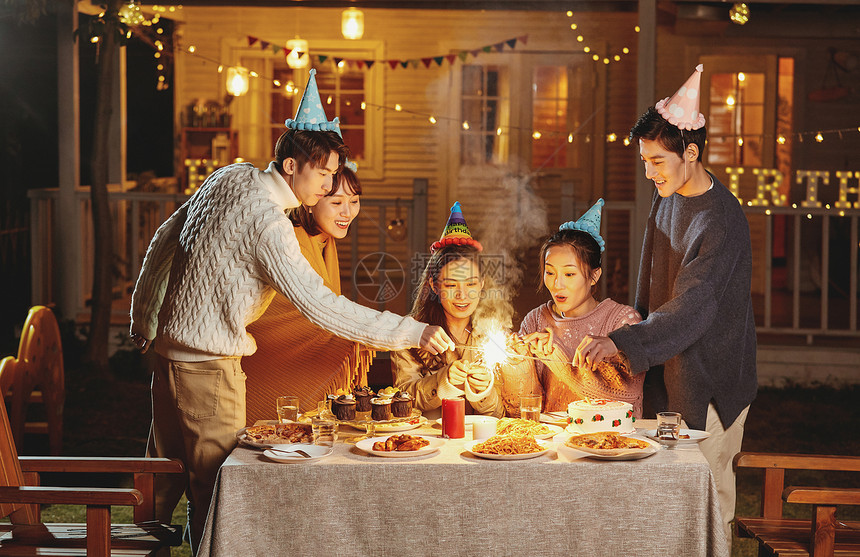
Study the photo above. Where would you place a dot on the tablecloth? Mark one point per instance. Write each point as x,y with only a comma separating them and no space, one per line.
453,503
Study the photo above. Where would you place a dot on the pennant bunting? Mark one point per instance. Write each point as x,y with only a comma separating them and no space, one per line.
393,63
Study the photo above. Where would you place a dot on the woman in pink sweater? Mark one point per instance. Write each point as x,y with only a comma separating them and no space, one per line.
570,270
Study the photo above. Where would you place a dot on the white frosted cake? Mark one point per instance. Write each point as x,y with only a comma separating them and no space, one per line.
589,416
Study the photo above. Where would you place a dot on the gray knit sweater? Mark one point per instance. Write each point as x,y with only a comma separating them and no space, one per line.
214,266
694,293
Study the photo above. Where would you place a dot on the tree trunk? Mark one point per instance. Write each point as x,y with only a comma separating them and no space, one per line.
102,294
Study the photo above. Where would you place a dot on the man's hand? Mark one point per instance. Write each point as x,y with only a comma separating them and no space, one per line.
141,343
435,340
593,349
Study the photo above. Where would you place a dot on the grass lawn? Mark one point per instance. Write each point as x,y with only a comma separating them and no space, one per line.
112,419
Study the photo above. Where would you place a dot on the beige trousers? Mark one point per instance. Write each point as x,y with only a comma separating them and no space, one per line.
719,450
197,407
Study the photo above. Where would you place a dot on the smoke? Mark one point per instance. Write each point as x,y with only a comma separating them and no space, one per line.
513,220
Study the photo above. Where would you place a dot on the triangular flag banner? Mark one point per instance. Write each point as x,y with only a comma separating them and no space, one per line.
322,58
275,49
438,60
426,62
264,45
369,63
360,64
463,55
287,52
487,48
451,58
499,47
524,39
393,64
337,61
475,53
251,40
413,63
404,64
512,43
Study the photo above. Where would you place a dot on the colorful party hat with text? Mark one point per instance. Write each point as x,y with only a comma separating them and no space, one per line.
456,232
682,108
588,222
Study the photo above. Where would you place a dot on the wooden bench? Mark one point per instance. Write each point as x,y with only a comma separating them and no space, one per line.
822,535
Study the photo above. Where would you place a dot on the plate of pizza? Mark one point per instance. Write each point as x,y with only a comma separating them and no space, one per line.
400,446
609,445
264,436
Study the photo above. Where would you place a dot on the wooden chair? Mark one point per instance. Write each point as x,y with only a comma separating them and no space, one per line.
21,493
821,536
38,378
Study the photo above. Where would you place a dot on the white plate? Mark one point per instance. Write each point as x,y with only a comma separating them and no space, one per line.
553,431
546,448
470,419
316,451
366,445
609,454
696,435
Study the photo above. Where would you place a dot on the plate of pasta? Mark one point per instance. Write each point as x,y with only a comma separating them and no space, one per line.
519,427
507,447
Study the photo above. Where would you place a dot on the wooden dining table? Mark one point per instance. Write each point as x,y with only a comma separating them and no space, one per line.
451,502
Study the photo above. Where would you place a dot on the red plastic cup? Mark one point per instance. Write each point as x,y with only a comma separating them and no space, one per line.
453,418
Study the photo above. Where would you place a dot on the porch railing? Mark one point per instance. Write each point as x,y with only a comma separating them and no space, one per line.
808,288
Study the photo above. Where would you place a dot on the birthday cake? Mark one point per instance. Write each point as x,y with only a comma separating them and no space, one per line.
590,416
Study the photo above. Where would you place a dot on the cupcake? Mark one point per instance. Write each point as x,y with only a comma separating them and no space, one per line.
380,409
343,407
362,398
401,405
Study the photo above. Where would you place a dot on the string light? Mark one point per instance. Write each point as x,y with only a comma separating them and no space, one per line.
432,119
398,108
818,137
536,135
570,138
465,125
498,131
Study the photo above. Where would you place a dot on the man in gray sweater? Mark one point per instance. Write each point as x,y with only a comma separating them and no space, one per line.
697,340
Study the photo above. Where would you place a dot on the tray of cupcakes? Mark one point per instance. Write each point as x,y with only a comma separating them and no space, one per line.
387,411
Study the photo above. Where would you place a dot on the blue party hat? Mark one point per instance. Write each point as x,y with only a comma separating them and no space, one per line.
456,231
311,116
589,222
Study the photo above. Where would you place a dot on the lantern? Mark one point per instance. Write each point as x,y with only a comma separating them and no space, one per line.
237,80
298,56
352,23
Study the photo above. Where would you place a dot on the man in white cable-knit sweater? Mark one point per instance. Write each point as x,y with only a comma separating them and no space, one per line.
212,268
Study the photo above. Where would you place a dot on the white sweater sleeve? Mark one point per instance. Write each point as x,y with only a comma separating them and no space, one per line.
286,269
152,283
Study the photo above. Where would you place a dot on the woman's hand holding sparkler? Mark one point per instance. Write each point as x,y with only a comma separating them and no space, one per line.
540,343
458,372
479,377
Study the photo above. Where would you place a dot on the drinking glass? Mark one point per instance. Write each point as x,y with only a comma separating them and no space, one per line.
530,406
668,427
288,408
325,431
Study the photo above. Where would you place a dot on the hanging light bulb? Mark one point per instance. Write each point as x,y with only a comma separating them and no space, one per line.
237,80
297,58
739,13
352,24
